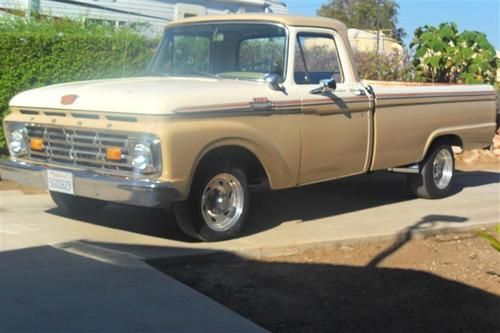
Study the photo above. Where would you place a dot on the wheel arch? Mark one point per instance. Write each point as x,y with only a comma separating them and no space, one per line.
235,155
452,139
262,161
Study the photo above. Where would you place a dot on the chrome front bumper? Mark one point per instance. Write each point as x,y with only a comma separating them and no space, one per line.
121,190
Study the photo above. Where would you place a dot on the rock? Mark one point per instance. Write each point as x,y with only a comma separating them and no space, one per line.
470,156
496,142
346,248
486,154
457,150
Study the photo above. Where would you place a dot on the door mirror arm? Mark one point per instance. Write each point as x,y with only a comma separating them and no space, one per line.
325,87
274,82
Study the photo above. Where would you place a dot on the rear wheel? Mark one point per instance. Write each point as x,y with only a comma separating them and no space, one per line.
217,206
436,176
77,205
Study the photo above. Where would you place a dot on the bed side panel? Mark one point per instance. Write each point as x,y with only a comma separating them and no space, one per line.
408,119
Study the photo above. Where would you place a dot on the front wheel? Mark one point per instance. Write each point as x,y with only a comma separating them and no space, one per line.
77,205
436,176
217,207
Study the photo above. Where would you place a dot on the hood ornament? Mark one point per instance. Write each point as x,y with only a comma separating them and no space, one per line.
68,99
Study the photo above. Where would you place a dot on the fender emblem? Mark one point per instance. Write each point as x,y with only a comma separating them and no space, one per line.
261,104
68,99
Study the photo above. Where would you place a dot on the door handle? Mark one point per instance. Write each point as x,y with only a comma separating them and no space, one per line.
358,92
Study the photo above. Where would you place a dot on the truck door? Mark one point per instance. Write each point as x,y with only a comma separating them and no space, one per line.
335,125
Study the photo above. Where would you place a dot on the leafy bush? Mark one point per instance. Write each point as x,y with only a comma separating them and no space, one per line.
49,51
444,55
373,66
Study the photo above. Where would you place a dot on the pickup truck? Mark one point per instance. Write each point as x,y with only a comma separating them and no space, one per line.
230,101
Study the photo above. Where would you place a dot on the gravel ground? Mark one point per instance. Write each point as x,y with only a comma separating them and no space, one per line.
448,282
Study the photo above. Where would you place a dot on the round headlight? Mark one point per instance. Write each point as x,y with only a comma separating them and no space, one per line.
17,135
142,158
17,143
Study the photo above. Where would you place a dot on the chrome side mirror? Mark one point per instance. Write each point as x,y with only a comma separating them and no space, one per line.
326,86
274,82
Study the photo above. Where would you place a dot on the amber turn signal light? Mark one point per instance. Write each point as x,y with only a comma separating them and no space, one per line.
114,154
36,144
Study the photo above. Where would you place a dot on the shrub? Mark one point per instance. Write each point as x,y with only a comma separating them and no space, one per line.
48,51
442,54
373,66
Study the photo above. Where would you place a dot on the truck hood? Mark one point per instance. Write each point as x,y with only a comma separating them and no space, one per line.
146,95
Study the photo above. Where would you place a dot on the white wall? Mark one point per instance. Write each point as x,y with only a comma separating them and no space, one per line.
162,9
155,12
13,3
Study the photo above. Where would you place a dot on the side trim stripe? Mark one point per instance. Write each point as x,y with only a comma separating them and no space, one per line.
434,95
274,106
384,104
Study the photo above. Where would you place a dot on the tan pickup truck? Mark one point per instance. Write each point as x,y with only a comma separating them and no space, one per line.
229,101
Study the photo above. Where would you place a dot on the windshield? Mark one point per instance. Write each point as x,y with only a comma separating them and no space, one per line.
228,50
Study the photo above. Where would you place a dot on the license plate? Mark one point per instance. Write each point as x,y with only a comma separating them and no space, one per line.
60,181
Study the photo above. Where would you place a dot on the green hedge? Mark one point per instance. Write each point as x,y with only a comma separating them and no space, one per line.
43,52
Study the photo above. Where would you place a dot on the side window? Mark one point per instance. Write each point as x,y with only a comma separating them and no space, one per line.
191,54
262,55
316,59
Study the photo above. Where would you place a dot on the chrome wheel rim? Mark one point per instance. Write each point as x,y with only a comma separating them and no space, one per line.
222,202
442,169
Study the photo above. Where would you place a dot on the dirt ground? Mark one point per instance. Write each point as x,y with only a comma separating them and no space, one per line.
448,282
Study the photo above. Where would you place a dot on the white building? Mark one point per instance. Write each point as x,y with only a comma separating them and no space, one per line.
366,41
155,12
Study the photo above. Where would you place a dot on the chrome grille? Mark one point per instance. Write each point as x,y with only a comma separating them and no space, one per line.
79,148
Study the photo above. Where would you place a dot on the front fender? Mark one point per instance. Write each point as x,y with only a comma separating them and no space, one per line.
275,143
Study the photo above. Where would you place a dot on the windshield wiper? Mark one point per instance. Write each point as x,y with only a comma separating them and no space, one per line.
187,73
154,73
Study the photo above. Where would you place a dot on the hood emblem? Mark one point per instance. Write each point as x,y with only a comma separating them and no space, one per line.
68,99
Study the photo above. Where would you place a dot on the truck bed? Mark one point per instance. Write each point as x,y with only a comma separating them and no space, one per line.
408,116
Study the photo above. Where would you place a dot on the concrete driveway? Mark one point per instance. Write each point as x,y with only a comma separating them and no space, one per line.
376,205
59,273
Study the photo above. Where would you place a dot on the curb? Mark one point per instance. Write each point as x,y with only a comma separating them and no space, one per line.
259,253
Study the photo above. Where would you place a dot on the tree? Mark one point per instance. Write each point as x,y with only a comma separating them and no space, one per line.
362,14
442,54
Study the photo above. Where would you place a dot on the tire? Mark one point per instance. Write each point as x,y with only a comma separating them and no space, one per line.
75,205
217,207
436,176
